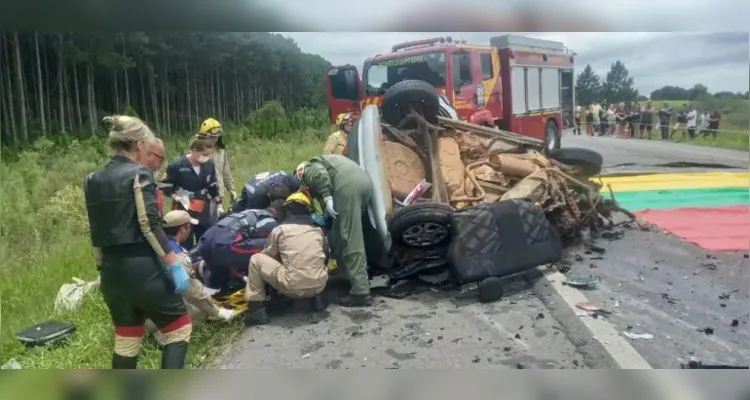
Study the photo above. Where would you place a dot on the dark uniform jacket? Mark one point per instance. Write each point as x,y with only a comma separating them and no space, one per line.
122,207
203,186
255,193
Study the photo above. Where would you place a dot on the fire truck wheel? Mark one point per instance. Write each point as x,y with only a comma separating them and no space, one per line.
551,138
398,99
589,162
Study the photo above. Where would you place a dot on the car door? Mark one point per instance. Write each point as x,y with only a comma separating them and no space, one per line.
344,90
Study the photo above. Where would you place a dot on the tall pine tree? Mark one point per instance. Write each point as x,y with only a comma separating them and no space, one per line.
588,87
618,87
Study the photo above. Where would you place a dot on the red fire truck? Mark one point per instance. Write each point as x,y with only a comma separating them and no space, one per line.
519,84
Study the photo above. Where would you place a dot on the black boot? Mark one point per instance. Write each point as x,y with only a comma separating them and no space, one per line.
318,304
356,300
256,313
173,355
122,362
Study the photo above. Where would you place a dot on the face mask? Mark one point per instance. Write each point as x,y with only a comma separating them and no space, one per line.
203,159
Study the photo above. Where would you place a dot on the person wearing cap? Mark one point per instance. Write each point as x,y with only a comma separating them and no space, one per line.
255,194
293,261
177,225
131,250
211,128
337,141
226,247
192,183
345,190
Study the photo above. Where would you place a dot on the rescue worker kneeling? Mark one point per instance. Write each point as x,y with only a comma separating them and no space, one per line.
293,261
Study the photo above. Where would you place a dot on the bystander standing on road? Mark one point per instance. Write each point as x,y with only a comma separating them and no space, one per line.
611,120
680,126
647,119
591,125
665,115
691,121
622,121
713,123
577,120
635,121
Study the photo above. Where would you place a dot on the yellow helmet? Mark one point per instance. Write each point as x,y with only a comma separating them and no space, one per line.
342,118
210,127
298,197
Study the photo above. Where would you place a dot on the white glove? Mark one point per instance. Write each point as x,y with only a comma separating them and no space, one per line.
328,200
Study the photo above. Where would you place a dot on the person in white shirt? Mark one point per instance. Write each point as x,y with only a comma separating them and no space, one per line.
692,121
702,122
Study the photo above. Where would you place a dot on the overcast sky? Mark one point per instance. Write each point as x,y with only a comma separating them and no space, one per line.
717,60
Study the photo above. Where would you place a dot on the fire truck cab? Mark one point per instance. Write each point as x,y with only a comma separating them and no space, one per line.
518,84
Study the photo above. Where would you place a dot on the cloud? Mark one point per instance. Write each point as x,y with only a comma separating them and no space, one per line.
717,60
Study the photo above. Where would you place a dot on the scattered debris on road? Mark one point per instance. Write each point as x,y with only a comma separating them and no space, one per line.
582,281
707,331
638,336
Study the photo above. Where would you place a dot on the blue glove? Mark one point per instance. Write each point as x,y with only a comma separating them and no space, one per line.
319,220
179,276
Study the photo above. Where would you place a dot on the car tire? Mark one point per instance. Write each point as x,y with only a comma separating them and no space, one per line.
422,225
588,161
489,290
418,94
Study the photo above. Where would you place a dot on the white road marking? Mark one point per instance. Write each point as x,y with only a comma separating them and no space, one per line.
614,344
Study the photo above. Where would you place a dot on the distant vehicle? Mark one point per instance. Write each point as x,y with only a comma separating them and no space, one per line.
519,84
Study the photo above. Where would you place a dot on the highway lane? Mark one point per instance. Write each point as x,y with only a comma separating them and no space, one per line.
656,283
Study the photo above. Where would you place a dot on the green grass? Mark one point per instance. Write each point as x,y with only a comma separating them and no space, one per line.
45,243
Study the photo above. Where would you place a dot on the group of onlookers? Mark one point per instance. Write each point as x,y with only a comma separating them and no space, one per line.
636,121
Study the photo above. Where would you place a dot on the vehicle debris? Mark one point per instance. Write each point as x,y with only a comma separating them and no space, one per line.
588,306
582,281
638,336
707,331
697,364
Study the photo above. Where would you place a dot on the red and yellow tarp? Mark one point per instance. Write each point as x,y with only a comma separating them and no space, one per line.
708,209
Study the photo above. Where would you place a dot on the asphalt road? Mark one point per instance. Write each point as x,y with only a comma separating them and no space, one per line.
656,283
651,282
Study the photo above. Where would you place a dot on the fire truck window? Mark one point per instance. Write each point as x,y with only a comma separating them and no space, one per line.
344,85
428,67
461,71
486,65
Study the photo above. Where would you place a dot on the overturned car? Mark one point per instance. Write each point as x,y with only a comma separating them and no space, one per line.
472,200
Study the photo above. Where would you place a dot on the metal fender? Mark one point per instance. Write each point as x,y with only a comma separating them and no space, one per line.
482,117
371,154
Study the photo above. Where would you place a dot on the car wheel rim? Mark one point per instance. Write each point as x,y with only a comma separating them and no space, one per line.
425,234
551,136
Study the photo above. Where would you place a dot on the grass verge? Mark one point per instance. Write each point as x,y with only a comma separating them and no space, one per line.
45,243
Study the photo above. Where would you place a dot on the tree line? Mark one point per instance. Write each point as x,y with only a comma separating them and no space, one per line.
53,83
618,87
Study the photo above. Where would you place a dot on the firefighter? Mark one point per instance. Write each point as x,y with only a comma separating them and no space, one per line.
226,247
255,194
212,128
345,190
293,261
337,141
192,183
130,246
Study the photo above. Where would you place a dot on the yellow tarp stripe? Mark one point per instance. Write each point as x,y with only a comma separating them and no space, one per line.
706,180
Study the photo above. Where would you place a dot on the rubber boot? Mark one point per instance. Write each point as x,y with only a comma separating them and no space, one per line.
173,355
256,313
122,362
318,304
356,300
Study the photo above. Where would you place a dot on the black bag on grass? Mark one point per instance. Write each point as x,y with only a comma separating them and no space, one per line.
500,239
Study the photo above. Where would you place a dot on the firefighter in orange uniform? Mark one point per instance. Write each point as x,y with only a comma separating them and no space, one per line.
336,143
